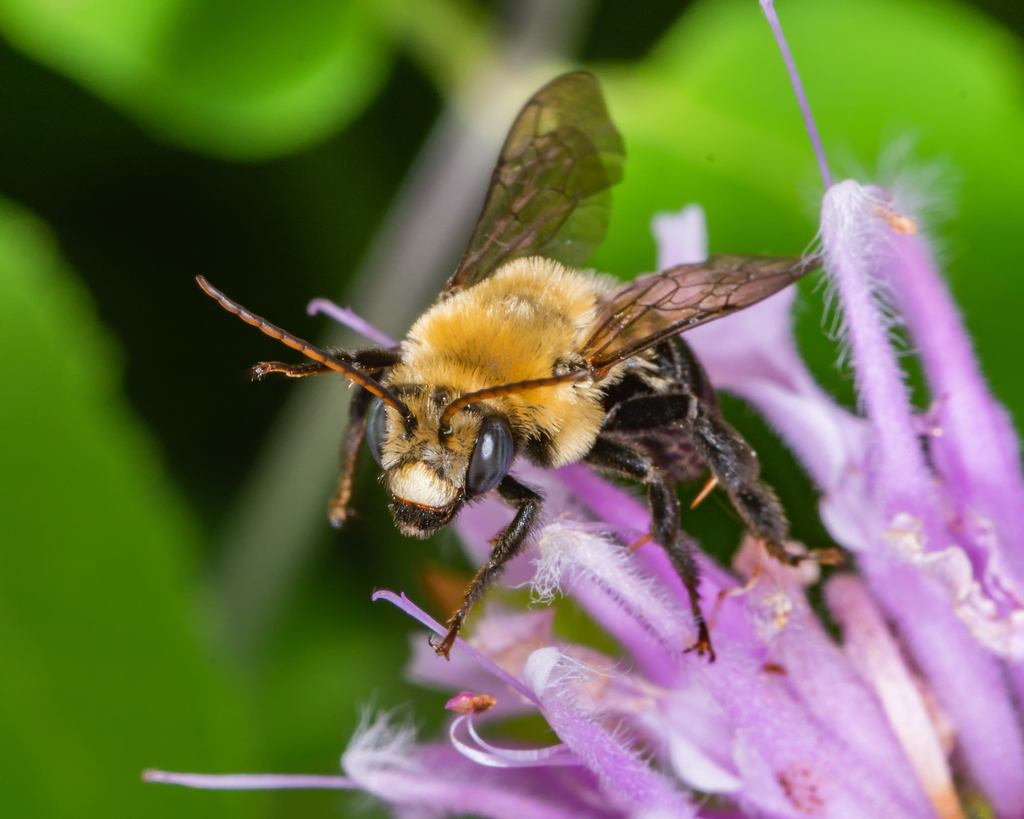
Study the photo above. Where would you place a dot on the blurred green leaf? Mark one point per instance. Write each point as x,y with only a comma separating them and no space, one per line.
102,669
240,79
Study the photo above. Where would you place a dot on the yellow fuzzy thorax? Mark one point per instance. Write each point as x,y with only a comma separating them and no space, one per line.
526,321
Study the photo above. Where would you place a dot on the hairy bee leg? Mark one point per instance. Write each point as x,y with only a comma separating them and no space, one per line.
290,370
737,468
512,540
619,459
337,508
372,358
726,453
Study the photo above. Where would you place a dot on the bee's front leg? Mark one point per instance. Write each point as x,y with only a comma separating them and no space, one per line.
337,509
618,458
374,360
510,543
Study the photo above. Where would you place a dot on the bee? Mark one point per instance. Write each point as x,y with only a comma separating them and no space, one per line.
525,356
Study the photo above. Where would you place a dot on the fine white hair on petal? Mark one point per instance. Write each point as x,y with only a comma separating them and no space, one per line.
626,777
926,188
570,554
858,241
852,227
552,670
559,545
539,668
380,743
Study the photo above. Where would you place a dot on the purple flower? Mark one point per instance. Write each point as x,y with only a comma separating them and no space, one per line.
917,699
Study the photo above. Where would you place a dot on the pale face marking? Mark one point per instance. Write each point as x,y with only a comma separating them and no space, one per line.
418,485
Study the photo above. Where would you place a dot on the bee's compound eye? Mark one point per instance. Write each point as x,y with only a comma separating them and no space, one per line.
492,456
376,424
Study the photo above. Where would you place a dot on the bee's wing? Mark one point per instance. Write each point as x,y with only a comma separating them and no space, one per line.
651,308
549,194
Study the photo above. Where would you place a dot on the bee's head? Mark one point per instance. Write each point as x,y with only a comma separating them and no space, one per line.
429,474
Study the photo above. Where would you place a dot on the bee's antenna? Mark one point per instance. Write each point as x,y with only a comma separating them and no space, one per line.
328,359
507,389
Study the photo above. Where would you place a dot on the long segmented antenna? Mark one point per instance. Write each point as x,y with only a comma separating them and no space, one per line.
304,347
506,389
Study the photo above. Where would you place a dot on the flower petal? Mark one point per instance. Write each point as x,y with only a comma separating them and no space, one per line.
493,757
382,760
348,317
978,452
629,782
682,236
617,592
836,697
410,608
876,654
506,638
856,241
250,782
701,739
967,680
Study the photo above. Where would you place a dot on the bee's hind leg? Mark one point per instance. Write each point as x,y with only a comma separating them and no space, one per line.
508,544
618,458
726,453
735,464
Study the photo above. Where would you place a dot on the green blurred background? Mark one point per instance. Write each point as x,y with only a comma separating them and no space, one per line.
170,592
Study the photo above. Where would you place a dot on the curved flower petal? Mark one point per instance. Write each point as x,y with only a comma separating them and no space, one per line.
383,761
629,782
493,757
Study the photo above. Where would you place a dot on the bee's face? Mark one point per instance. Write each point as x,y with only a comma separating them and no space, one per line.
430,476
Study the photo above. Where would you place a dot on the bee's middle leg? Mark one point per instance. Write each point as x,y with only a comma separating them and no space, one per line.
618,458
509,544
726,453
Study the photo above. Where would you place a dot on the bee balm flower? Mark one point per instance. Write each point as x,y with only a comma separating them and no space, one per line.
787,722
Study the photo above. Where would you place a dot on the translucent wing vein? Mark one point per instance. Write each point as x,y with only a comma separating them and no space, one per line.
651,308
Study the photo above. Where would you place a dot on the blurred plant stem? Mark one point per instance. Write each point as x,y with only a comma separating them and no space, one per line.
280,513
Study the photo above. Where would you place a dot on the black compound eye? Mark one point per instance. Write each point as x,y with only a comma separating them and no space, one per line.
376,424
492,456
